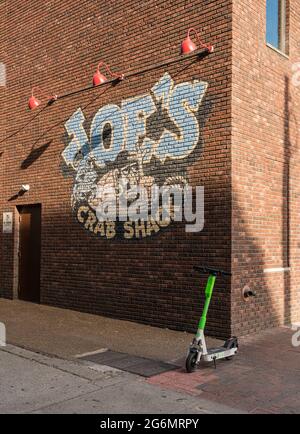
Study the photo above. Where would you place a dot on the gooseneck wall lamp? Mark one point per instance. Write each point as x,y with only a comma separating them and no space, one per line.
188,46
99,78
34,103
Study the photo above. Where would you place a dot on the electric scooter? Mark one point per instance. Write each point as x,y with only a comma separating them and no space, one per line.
198,350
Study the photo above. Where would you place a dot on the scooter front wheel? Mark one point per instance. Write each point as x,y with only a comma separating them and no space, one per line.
191,362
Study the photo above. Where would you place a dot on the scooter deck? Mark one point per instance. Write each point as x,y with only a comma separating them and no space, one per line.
219,353
216,350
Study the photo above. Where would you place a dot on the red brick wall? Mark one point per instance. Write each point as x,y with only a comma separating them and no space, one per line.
57,45
265,171
3,124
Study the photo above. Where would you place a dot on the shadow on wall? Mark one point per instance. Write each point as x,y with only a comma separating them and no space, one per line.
286,211
23,127
257,313
286,203
37,152
34,155
17,196
265,310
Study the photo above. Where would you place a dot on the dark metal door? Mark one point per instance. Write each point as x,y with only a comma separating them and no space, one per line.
30,253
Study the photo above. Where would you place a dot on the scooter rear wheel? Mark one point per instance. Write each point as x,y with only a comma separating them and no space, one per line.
191,362
230,344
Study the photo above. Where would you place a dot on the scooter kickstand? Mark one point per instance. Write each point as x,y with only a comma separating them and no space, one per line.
215,363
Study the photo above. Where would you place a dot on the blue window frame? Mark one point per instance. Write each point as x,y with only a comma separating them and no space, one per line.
276,24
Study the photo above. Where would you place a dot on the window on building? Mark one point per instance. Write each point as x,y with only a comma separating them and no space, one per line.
276,24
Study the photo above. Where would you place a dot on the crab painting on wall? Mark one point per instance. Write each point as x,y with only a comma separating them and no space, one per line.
146,141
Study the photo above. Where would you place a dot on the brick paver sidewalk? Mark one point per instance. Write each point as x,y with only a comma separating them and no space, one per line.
264,378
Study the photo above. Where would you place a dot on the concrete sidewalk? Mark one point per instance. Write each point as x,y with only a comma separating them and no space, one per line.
34,383
67,333
263,378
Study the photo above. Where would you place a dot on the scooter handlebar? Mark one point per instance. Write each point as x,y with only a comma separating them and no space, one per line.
213,271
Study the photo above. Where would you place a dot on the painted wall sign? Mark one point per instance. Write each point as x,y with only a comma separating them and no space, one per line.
7,222
143,142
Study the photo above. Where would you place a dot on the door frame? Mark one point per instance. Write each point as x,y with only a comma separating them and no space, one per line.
16,247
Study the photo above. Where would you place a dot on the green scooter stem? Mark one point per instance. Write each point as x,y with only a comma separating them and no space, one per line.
198,349
208,294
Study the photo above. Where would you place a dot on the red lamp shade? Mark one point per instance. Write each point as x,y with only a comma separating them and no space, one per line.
98,78
188,46
33,103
